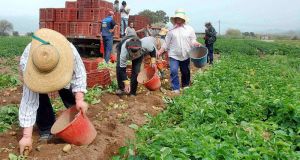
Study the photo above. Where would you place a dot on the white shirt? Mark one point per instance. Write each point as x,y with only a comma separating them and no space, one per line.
30,100
179,41
124,14
148,45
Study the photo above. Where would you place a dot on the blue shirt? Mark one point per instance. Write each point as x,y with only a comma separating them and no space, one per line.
107,24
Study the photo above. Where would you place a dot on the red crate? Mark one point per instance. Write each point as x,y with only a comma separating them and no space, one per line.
91,64
117,17
43,14
49,25
65,15
50,14
84,29
62,27
99,4
70,4
98,77
92,14
84,4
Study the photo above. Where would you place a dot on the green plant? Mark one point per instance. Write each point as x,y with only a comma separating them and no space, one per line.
8,116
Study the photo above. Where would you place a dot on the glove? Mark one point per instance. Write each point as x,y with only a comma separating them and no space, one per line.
80,104
26,141
127,86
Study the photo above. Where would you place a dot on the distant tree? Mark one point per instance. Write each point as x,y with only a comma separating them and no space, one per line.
16,33
246,34
29,33
295,38
5,27
252,34
155,17
233,32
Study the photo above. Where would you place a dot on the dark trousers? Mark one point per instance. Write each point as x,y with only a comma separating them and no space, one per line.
185,73
210,57
121,74
45,115
108,44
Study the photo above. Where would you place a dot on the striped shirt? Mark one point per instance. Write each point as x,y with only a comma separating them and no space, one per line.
179,41
30,100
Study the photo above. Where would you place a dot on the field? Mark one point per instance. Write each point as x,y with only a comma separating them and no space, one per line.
245,106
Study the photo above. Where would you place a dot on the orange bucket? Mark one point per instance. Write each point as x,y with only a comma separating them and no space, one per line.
149,78
73,127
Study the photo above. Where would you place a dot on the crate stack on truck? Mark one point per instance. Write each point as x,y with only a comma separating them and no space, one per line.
81,18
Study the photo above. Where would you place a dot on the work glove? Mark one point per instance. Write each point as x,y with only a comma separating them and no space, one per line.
25,143
81,105
127,86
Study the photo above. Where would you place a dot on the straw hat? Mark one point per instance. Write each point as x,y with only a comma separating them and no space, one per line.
163,31
179,13
50,63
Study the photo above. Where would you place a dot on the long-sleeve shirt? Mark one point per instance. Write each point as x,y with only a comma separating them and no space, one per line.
148,47
179,41
30,100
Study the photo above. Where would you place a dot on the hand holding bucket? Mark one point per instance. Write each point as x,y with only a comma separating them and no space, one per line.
74,127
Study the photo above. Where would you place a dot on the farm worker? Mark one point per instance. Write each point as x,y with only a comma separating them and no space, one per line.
124,17
210,38
179,41
107,30
116,6
133,49
159,42
130,31
49,63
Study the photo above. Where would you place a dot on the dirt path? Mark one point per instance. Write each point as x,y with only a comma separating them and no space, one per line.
111,117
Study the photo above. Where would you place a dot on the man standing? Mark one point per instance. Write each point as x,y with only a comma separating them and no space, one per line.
116,6
107,30
49,63
133,49
210,38
179,41
124,17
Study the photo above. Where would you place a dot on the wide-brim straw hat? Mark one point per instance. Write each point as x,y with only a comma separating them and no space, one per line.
50,63
163,31
179,13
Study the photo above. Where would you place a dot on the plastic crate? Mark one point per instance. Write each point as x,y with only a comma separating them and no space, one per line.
62,27
98,78
70,4
43,16
92,64
50,14
49,25
84,4
65,15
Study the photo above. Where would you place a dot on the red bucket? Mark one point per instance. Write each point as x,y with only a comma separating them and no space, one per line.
149,78
73,127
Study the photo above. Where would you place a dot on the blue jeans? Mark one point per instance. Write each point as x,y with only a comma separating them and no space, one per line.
210,57
108,44
124,24
185,73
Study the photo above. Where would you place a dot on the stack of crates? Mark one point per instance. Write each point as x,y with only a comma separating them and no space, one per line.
81,18
95,76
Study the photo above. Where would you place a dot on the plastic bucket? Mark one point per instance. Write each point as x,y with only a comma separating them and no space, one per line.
73,127
199,56
149,78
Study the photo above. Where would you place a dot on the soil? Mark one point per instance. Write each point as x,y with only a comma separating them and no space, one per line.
111,118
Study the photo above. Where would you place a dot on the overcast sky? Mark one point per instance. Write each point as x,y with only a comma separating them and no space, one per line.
247,15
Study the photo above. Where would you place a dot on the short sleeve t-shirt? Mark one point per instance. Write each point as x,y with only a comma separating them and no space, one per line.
107,24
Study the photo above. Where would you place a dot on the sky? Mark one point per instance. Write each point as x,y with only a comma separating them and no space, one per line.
260,16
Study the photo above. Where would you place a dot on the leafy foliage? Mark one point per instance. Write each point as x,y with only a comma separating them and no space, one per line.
245,107
13,46
8,81
8,116
155,17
